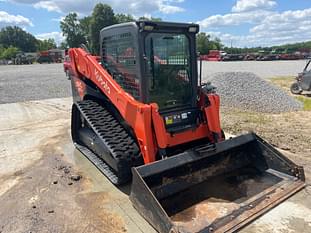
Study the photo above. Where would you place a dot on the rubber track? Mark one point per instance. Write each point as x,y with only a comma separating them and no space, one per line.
100,164
122,147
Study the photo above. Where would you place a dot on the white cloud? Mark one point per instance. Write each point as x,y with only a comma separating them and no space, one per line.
285,27
137,7
7,19
267,27
288,20
251,5
177,1
58,19
274,29
239,40
57,36
48,5
234,19
243,12
166,9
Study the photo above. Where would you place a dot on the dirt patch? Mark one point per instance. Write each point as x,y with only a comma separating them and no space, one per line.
288,131
40,189
25,128
50,198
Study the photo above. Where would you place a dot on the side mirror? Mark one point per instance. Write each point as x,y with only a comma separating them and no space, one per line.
208,87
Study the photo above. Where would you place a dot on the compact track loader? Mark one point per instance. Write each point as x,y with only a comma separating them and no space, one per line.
142,114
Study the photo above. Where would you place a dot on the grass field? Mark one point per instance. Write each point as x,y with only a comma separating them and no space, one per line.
285,82
306,102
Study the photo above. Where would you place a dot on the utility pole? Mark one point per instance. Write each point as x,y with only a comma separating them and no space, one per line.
231,46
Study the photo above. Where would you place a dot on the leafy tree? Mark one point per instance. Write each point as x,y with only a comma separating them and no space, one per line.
85,27
122,18
205,43
217,44
233,50
87,30
17,37
63,45
46,44
102,16
287,48
72,30
9,52
1,50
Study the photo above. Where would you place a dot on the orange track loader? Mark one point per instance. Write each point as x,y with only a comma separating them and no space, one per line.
142,114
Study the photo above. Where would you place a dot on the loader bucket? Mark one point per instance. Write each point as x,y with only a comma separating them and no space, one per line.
216,188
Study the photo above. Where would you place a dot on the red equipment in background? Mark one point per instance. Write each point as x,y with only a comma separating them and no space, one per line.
213,55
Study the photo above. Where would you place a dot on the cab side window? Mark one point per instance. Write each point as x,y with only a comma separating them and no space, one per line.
119,58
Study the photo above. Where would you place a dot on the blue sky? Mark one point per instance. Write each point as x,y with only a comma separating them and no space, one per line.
244,23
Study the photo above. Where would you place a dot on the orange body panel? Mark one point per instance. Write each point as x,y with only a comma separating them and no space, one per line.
166,139
212,114
144,119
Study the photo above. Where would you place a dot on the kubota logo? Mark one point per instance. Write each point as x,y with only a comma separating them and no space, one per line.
102,82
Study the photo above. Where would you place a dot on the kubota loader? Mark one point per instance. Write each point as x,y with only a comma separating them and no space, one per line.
142,114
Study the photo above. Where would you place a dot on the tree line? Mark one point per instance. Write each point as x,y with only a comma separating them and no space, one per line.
304,47
205,43
14,40
86,30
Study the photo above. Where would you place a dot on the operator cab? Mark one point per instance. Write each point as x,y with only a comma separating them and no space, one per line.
155,62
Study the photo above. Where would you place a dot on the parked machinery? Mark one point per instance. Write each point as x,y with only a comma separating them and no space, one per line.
143,114
303,81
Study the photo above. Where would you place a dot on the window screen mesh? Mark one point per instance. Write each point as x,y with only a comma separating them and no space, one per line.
120,61
169,69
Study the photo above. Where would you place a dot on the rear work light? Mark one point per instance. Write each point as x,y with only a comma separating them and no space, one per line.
193,29
148,28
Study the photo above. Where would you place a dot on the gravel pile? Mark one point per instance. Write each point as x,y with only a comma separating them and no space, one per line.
247,91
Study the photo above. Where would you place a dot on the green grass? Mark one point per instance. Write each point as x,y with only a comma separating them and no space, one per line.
250,117
283,82
281,78
306,102
255,118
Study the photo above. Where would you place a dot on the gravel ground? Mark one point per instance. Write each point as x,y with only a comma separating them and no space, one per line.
45,81
264,69
33,82
247,91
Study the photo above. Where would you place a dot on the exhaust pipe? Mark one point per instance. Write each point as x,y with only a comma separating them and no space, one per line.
214,189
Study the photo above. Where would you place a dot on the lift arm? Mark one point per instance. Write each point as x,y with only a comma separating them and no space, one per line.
136,114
